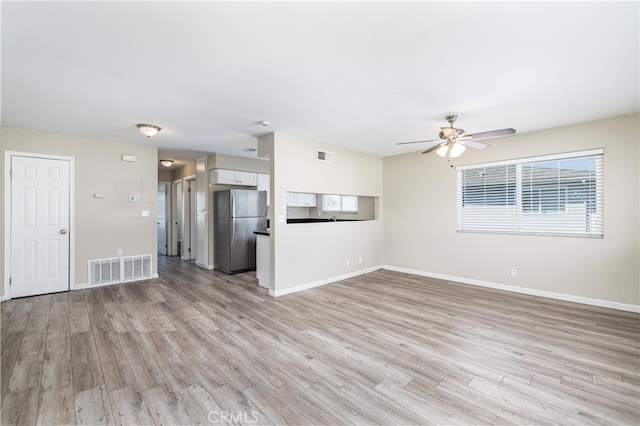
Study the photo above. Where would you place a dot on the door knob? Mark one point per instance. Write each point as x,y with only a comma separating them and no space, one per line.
63,231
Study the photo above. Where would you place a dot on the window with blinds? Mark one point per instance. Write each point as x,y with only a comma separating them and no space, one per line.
340,203
551,195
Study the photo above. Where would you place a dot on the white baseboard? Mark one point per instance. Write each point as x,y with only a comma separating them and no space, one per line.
276,293
202,265
86,285
522,290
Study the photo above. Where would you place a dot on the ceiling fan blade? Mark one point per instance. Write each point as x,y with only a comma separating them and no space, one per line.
406,143
433,148
473,144
491,134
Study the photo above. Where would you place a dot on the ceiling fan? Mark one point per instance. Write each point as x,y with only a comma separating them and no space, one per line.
453,141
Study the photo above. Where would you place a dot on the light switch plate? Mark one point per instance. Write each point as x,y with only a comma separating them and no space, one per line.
145,213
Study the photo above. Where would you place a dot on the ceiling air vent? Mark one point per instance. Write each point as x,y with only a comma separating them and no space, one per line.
325,156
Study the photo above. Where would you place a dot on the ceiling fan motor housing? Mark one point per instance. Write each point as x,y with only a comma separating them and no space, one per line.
451,137
450,132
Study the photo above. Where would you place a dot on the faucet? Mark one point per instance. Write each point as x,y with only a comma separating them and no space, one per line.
333,219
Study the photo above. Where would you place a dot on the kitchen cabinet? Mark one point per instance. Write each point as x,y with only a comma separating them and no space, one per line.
301,199
264,183
233,177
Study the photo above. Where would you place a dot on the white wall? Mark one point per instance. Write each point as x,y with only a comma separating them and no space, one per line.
314,253
102,225
420,219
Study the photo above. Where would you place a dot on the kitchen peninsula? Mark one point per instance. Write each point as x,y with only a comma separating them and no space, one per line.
263,258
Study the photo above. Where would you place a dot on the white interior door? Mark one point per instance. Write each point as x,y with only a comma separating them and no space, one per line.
40,219
176,219
162,218
186,220
192,218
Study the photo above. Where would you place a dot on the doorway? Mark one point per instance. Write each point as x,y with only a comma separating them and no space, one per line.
162,218
176,219
39,224
189,219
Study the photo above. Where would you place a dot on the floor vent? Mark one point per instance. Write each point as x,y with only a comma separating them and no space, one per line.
119,269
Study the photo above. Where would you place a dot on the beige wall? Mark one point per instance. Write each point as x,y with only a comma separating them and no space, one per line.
420,219
188,170
184,171
164,175
304,254
102,225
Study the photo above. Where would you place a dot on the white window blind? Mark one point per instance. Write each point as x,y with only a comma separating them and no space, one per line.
340,203
551,195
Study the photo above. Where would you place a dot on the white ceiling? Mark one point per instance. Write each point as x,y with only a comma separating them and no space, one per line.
362,75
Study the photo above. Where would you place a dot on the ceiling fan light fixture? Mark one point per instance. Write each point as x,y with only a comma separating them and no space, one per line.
148,129
166,163
442,151
457,149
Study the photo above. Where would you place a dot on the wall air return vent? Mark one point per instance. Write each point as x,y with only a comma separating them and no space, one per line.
325,156
119,269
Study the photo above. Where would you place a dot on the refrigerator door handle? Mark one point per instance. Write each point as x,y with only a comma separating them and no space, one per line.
232,205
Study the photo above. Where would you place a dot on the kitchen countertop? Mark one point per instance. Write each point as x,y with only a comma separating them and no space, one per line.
320,220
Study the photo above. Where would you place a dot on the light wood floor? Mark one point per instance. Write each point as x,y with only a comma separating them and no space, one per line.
198,346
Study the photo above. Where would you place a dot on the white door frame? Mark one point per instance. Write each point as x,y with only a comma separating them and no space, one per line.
188,218
8,198
177,195
167,213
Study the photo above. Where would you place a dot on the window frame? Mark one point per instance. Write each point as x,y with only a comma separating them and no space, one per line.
527,213
341,209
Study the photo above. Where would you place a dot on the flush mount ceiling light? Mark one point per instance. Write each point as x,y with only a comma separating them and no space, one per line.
166,163
148,129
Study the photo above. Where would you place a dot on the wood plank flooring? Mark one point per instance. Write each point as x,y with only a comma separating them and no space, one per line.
201,347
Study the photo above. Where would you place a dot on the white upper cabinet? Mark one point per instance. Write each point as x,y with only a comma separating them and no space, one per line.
264,182
301,199
233,177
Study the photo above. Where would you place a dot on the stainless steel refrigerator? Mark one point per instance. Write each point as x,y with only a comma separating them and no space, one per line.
237,213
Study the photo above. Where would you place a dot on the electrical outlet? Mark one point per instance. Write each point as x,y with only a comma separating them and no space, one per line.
119,252
514,272
346,262
360,260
